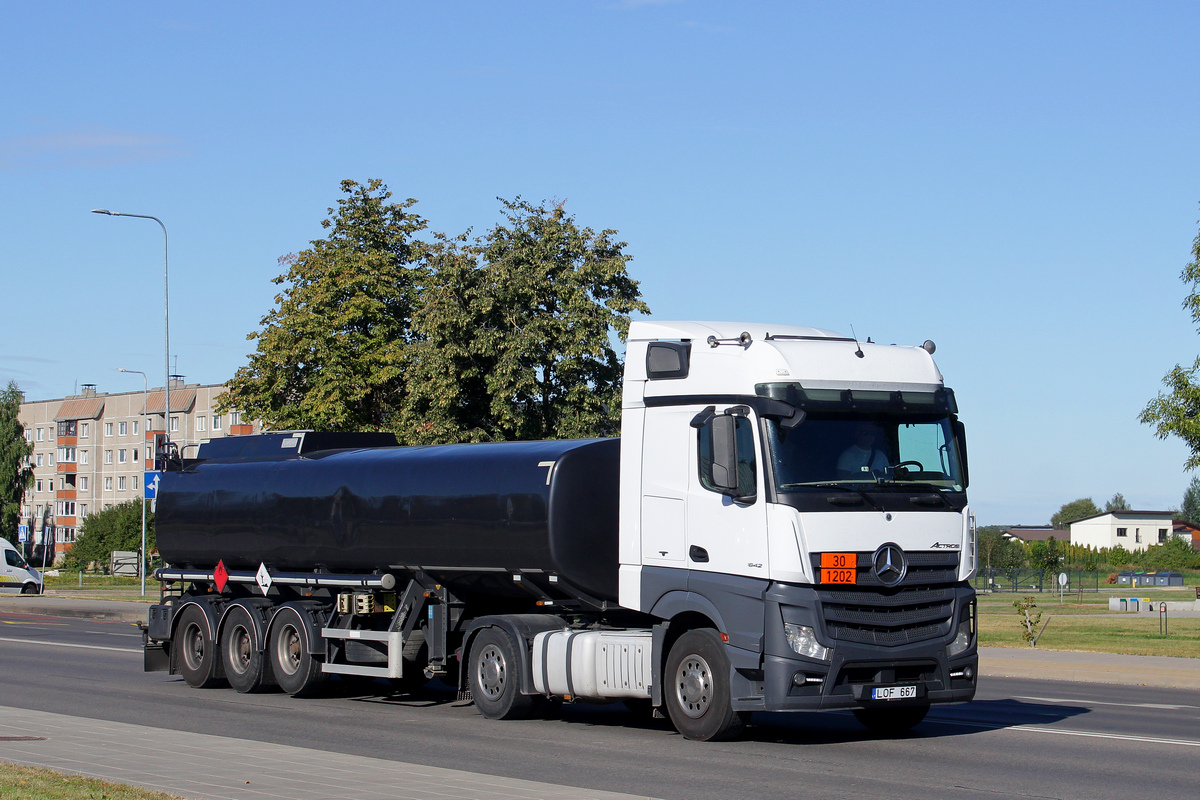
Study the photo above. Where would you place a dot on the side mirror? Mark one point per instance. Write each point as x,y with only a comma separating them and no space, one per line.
724,453
960,436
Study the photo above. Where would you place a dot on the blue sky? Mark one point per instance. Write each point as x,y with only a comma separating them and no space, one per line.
1018,182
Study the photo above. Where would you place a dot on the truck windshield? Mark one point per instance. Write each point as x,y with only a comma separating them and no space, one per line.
883,451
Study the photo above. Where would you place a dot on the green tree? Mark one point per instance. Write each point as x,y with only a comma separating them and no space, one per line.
517,329
1117,503
15,473
118,527
1076,509
331,354
1177,412
996,552
1190,512
1045,555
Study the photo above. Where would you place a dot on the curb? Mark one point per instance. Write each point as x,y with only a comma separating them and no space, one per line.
50,608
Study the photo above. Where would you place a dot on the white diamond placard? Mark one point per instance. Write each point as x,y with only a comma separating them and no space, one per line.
263,578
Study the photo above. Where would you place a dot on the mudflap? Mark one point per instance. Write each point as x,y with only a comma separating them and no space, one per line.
156,655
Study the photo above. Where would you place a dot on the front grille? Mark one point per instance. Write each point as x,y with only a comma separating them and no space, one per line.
920,608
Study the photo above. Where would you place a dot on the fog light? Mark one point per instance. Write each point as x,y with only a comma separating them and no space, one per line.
968,673
799,678
803,640
962,641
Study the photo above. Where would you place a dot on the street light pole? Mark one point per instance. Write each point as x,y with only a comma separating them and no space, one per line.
142,560
166,315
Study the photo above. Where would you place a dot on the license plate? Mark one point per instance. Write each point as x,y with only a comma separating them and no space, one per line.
839,568
893,692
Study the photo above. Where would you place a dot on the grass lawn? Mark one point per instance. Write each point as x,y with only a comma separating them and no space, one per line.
35,783
1081,626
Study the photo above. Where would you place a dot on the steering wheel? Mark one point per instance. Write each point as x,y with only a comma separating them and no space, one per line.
917,464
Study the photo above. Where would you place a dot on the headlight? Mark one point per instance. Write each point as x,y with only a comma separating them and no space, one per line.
962,641
803,640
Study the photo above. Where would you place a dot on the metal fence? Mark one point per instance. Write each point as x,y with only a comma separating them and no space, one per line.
1035,580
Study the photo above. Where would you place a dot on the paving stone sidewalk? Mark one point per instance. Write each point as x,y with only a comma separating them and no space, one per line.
204,767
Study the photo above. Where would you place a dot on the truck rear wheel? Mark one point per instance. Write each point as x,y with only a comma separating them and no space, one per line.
198,661
296,671
496,678
891,721
696,682
246,666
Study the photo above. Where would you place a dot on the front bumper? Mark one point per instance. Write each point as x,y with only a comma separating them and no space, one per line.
792,683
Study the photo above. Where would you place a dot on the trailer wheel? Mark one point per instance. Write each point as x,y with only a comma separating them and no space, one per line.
891,721
495,677
296,671
246,667
696,682
198,662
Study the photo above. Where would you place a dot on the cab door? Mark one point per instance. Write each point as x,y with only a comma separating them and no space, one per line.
727,534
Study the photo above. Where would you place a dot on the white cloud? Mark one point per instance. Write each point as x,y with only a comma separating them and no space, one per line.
90,147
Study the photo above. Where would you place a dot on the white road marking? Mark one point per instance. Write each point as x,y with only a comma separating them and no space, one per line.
1158,706
1068,732
67,644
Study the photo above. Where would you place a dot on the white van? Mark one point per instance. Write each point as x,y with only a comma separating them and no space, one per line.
15,572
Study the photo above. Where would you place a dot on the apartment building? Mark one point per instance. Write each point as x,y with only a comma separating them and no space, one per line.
91,450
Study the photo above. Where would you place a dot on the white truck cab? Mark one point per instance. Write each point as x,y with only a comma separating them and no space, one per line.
15,573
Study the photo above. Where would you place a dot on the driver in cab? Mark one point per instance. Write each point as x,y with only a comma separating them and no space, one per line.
864,458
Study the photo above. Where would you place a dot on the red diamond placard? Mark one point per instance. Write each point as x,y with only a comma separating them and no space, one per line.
220,575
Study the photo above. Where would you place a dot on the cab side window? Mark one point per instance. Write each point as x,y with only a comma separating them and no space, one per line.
747,464
13,559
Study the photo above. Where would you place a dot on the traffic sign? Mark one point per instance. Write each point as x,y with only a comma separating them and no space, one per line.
22,533
150,484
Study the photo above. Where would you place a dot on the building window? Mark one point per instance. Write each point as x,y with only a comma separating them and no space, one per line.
121,483
83,456
135,483
66,428
108,429
37,487
135,455
108,456
135,427
1122,531
39,459
82,510
1162,535
83,483
83,430
66,455
123,428
174,424
28,434
108,484
121,455
216,422
51,484
41,434
50,459
38,513
200,423
235,418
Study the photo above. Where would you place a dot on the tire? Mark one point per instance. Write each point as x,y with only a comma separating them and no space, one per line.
295,669
696,683
495,677
891,721
30,588
246,666
198,659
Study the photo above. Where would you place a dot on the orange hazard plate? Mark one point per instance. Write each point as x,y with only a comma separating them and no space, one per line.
839,568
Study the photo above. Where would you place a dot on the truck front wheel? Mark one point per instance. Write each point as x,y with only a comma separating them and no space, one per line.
296,671
696,688
246,666
197,652
495,677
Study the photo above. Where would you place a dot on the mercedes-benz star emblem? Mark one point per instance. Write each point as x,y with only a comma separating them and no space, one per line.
889,564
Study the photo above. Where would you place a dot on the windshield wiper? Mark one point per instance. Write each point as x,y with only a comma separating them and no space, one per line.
844,488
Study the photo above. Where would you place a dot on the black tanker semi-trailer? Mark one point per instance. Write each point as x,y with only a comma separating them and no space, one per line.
289,557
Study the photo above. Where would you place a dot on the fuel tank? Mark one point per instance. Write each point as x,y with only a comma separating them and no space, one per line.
470,514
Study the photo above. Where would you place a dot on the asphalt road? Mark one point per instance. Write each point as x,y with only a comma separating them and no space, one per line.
1020,738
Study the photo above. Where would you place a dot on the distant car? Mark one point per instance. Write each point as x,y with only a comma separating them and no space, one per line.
16,573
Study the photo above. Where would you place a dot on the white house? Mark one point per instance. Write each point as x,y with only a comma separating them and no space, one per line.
1133,530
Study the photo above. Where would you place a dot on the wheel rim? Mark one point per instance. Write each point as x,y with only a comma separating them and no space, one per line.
693,686
288,650
241,649
491,672
193,646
